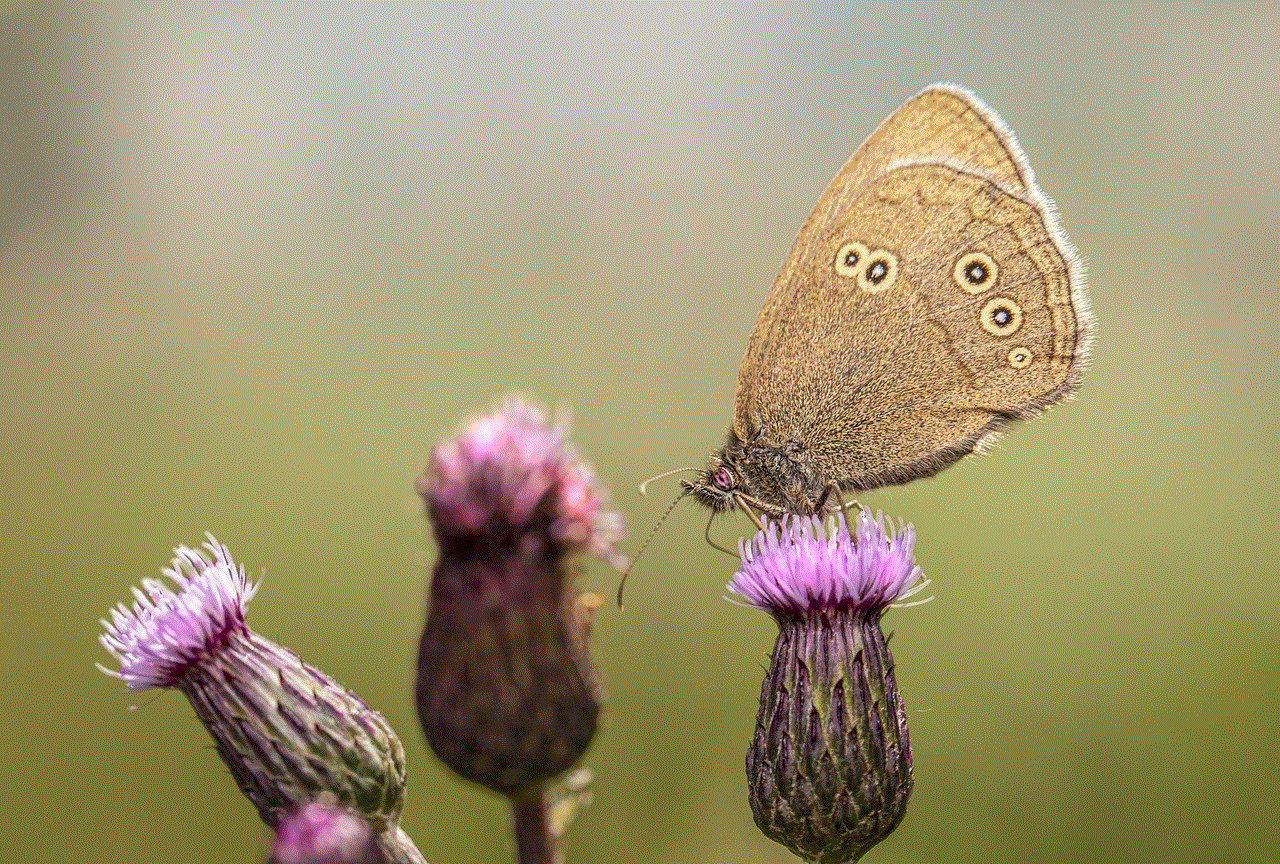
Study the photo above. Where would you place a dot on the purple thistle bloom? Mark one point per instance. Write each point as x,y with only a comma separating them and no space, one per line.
319,833
287,732
511,471
829,768
507,695
805,565
169,632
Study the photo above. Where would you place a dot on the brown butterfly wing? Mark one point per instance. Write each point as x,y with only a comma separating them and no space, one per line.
882,383
942,123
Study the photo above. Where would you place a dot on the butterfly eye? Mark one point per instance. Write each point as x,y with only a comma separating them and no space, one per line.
975,272
849,259
722,479
878,272
1001,317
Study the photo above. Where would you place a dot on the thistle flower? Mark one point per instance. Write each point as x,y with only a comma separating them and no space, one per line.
507,695
322,833
287,732
829,768
511,474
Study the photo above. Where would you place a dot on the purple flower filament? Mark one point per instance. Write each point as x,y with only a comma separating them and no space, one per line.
803,564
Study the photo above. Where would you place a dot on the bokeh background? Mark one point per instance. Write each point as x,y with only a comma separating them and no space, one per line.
255,260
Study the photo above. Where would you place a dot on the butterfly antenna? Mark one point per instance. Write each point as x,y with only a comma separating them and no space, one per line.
644,485
622,583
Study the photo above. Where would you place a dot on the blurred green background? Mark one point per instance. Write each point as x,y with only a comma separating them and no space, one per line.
255,260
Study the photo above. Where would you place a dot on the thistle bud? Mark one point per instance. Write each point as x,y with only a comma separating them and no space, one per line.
507,694
829,768
288,732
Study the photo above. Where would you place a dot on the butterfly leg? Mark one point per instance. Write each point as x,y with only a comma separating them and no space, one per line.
746,508
834,491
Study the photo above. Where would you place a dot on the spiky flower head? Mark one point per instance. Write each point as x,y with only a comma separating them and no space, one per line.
829,768
513,472
803,564
287,731
507,695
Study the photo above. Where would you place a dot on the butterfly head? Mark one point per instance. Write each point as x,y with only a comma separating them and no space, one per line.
716,487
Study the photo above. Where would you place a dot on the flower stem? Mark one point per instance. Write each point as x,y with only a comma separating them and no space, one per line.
535,841
399,849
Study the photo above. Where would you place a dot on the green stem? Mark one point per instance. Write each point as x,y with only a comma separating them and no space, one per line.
399,849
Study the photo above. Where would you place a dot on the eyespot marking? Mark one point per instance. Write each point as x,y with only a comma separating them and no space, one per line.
1001,316
1020,358
879,271
849,259
975,272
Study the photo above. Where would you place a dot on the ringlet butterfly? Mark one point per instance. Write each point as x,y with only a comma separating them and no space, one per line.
929,300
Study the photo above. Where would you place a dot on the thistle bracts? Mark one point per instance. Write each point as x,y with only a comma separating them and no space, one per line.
507,695
288,732
830,764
